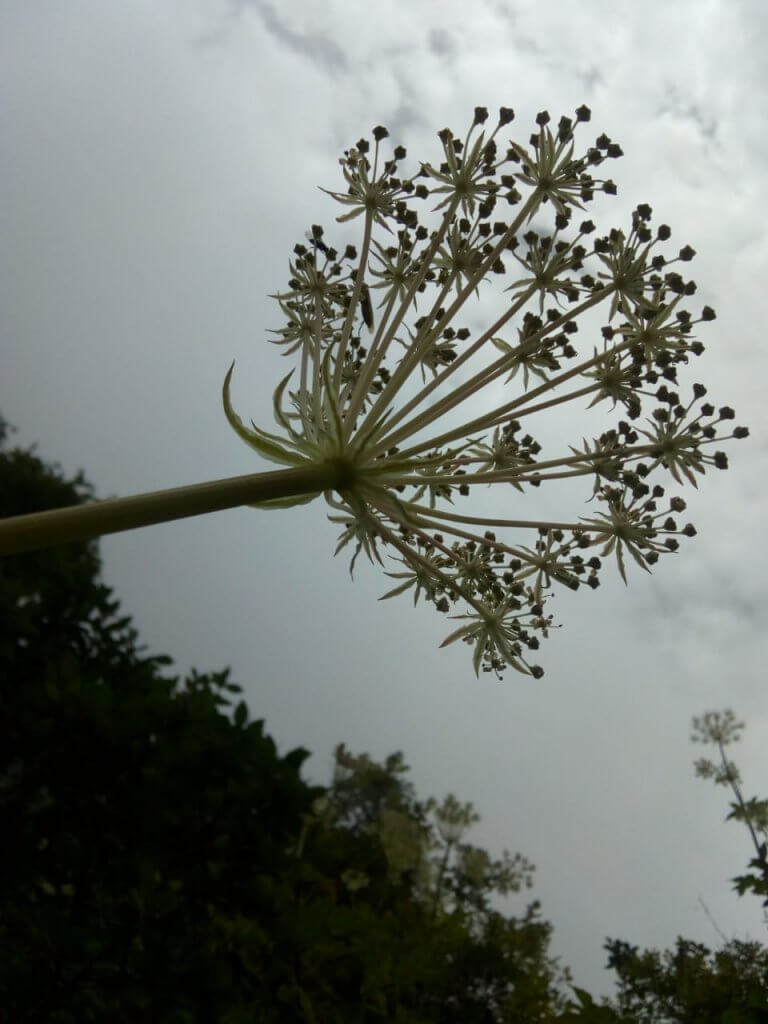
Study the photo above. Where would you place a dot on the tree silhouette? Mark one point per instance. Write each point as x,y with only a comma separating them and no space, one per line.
162,861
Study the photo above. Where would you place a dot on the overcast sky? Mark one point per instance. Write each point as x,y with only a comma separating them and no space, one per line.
158,161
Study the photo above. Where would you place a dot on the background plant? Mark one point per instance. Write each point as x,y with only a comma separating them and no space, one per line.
722,728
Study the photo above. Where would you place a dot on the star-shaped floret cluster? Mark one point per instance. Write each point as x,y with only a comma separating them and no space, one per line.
415,409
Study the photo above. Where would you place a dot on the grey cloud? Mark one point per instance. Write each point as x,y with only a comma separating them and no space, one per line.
680,107
406,117
591,77
441,43
319,48
505,11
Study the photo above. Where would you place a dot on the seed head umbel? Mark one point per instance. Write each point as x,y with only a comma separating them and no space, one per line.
479,302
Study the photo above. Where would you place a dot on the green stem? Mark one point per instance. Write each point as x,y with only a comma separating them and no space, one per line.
523,524
742,806
81,522
489,420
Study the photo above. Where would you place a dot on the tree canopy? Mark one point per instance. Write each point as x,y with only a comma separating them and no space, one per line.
162,860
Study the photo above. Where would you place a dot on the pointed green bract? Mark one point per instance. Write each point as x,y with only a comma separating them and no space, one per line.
265,444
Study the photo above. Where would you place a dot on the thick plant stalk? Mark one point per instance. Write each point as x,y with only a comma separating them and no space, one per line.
81,522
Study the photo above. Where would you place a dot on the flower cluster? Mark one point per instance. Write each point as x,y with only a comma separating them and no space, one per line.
412,411
720,728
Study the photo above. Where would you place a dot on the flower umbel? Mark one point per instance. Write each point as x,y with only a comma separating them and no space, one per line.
411,410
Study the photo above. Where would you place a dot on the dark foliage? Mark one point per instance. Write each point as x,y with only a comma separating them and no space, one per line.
144,831
161,861
692,984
